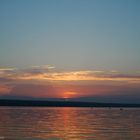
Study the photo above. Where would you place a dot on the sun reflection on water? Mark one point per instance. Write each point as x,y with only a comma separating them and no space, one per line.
69,123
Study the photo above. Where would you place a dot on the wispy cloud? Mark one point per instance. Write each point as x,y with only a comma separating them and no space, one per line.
77,76
46,73
14,80
6,70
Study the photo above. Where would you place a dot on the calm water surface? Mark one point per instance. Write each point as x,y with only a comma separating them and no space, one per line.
18,123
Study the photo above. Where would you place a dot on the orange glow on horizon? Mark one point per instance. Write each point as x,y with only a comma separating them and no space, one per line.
69,94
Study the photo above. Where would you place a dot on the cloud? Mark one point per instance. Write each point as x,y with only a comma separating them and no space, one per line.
44,67
73,91
7,69
5,80
46,73
34,90
25,81
35,70
47,82
5,89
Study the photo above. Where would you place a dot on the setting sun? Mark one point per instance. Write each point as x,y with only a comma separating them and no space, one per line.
69,94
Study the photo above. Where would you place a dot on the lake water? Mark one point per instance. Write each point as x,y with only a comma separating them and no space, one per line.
17,123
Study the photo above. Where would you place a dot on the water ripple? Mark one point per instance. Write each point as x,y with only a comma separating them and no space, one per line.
69,124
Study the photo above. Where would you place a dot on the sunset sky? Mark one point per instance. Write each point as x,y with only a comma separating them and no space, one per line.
84,49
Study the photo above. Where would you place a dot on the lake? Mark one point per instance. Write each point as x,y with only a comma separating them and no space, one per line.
55,123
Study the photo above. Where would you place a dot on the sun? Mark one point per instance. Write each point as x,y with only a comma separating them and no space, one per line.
69,94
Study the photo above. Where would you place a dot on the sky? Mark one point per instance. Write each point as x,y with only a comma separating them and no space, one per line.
85,49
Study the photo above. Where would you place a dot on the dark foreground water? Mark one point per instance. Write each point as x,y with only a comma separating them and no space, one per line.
18,123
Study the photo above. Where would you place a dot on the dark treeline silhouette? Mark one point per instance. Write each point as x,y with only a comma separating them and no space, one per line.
37,103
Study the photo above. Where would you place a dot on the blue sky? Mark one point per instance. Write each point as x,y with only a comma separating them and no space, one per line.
73,34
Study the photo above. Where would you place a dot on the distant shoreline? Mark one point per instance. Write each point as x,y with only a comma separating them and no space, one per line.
37,103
